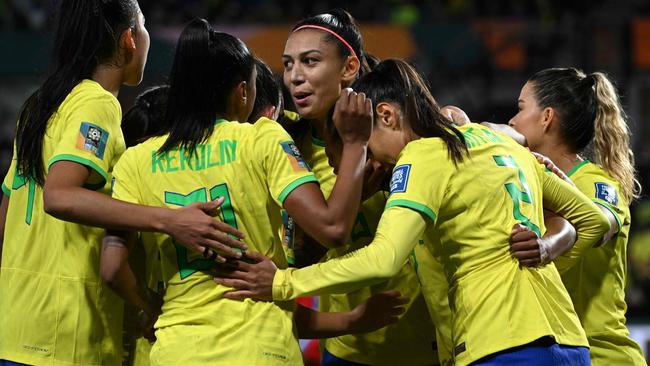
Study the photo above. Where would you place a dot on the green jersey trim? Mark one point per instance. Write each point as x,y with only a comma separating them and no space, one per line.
611,209
82,161
315,140
576,167
6,190
414,206
293,185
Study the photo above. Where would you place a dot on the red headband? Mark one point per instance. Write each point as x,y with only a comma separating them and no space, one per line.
330,32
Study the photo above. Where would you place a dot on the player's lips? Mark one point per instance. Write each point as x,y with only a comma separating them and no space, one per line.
301,98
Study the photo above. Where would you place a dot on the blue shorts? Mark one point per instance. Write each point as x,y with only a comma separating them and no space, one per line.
11,363
329,359
542,352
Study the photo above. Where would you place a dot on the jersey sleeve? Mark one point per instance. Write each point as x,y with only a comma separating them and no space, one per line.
415,185
126,179
567,201
7,183
603,191
91,136
397,233
283,166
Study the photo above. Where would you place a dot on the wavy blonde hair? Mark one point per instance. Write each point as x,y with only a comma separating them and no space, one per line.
611,144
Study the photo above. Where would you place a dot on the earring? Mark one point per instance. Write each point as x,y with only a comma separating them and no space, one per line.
244,100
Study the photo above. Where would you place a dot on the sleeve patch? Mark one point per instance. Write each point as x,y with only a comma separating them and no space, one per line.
606,193
92,138
297,162
400,179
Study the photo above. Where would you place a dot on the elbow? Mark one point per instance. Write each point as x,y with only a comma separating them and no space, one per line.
109,274
336,237
55,204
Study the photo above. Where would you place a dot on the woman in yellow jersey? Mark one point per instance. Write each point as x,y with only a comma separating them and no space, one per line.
462,189
561,112
258,170
54,307
324,54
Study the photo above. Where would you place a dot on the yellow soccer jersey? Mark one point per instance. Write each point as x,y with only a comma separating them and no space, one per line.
55,308
411,340
313,151
254,167
433,283
597,282
495,303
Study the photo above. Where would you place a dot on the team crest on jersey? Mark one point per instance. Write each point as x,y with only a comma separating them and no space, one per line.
297,162
92,138
606,193
400,178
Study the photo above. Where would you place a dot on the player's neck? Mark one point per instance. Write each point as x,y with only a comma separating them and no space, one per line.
109,77
561,156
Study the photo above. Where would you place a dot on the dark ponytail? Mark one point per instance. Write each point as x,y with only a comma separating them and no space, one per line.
207,66
398,82
342,23
145,118
87,35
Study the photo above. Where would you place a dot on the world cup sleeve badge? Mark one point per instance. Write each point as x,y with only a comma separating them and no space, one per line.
297,162
606,193
93,139
400,178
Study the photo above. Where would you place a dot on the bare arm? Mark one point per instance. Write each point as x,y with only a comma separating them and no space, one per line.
65,198
118,275
531,250
330,221
377,312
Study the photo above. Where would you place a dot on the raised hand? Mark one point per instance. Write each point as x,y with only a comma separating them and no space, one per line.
353,116
455,114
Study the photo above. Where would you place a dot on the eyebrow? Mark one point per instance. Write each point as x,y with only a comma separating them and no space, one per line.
302,53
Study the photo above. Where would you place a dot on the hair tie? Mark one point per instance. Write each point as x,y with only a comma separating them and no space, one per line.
330,32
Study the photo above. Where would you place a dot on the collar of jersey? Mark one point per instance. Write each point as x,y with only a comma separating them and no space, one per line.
576,167
315,140
219,120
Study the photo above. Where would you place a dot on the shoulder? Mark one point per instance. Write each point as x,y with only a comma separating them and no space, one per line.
590,178
90,95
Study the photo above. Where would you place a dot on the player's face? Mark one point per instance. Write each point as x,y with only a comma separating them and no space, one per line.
528,121
135,65
313,71
389,136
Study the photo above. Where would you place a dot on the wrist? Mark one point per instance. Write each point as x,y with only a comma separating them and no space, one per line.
160,221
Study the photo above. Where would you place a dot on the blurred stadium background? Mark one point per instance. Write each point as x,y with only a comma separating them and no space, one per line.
476,54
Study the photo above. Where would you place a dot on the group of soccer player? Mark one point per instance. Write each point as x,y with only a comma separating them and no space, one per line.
430,240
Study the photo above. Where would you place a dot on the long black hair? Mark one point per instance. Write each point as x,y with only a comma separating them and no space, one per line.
87,35
396,81
342,23
207,66
146,117
268,93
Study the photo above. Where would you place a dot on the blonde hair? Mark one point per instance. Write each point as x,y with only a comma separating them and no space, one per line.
611,144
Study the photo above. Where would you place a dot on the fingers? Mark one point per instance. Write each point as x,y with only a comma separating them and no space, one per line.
522,236
222,226
255,256
232,282
220,249
239,295
527,254
524,246
529,262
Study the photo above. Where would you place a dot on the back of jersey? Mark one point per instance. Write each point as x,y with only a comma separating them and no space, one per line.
254,167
